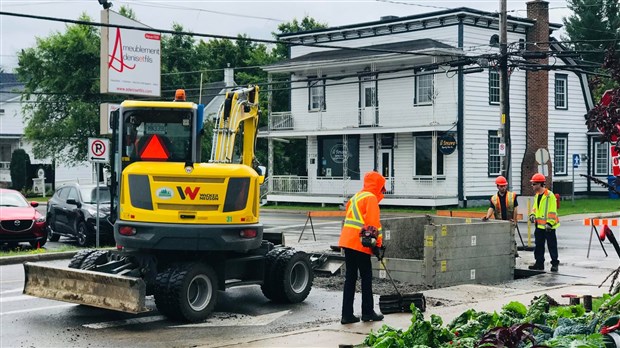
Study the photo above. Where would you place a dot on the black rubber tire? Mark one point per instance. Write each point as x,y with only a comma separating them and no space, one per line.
292,277
84,237
96,258
187,292
269,280
40,243
79,257
51,236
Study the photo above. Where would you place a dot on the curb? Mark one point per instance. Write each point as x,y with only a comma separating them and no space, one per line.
11,260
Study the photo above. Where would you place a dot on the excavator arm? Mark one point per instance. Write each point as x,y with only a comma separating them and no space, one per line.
240,106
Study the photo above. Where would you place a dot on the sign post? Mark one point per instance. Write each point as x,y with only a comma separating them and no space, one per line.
98,152
576,163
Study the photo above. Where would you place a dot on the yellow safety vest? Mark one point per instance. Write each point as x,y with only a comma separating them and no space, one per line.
354,218
549,213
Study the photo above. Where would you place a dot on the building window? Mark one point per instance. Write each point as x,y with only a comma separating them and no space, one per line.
495,160
424,89
316,93
332,155
560,154
493,86
424,157
561,91
601,158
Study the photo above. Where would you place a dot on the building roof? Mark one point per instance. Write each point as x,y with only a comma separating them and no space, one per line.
210,91
412,46
10,87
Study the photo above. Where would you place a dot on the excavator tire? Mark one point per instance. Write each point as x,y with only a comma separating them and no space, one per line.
78,259
269,281
99,257
292,277
186,291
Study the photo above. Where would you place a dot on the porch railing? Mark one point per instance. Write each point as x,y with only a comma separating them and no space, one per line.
281,120
289,184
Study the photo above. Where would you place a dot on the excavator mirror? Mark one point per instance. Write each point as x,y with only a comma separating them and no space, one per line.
262,171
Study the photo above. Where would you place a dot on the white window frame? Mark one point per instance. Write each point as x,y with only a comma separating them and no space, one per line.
316,95
561,91
494,87
493,142
601,158
424,90
435,154
560,154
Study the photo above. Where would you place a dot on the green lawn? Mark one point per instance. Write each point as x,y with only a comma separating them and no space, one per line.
25,249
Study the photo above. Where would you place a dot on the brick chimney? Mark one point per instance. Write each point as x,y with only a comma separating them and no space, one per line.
537,104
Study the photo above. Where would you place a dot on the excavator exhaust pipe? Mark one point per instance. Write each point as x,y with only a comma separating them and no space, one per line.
102,290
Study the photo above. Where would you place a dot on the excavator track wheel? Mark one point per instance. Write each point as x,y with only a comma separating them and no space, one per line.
79,257
187,292
292,277
99,257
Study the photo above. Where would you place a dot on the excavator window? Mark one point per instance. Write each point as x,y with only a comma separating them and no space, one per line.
157,135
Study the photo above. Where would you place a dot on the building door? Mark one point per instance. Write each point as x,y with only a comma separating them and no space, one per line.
368,102
385,168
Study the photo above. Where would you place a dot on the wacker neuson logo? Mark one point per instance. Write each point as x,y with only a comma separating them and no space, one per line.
164,193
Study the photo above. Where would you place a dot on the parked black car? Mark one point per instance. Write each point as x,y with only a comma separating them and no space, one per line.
72,212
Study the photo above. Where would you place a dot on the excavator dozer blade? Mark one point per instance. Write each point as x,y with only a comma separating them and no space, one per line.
103,290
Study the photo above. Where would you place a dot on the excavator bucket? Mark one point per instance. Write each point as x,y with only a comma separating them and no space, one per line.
109,291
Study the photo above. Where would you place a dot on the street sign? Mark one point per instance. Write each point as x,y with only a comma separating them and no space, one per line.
542,156
576,160
502,149
98,150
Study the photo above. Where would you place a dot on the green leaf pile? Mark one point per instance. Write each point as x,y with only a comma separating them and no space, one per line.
551,325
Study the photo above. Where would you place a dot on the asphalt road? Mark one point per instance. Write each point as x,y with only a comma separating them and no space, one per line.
242,314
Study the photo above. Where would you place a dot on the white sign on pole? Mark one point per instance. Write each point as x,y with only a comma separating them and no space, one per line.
130,59
105,122
542,156
502,149
98,150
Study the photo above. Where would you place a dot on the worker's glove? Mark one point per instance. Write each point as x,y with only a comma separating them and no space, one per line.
484,218
548,228
532,218
378,252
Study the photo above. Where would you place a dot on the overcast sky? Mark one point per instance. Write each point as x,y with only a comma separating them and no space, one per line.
255,18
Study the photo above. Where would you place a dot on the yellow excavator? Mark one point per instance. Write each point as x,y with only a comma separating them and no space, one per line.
184,230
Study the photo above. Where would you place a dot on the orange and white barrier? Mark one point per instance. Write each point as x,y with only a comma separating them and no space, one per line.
600,222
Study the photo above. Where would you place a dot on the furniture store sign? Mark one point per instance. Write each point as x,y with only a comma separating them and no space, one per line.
130,58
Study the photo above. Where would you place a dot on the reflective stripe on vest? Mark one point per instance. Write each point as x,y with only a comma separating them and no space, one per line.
509,205
356,221
542,222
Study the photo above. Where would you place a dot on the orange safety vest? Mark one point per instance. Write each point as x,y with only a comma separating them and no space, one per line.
510,205
362,209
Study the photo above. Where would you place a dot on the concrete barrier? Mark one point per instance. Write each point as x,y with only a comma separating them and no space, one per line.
439,251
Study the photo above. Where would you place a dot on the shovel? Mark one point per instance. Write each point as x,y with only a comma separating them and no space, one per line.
399,303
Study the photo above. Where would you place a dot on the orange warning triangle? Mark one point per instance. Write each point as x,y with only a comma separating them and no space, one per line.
154,150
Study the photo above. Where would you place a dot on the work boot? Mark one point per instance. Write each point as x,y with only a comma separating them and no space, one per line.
554,268
349,320
537,267
372,317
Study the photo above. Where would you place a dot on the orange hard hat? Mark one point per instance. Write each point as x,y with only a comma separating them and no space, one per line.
501,181
538,178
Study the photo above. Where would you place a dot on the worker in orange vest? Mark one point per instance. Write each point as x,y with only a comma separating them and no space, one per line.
504,203
361,237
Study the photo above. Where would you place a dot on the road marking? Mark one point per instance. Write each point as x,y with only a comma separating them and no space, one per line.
37,309
219,319
117,323
11,291
15,298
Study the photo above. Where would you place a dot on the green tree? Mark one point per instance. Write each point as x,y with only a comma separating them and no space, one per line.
20,162
593,26
61,77
180,65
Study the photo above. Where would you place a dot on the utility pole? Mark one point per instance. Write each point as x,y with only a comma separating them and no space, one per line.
504,103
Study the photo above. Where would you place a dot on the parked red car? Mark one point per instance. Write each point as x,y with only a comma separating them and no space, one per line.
20,221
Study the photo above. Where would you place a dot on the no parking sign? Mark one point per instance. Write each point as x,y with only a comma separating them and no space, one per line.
98,150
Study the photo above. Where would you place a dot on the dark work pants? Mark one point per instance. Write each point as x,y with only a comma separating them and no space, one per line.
540,236
357,261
